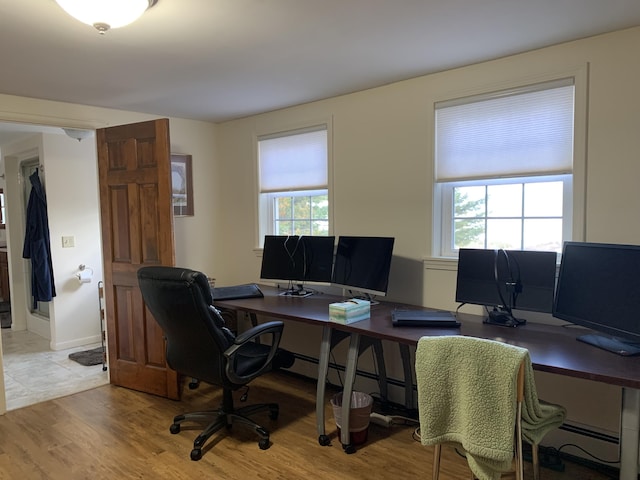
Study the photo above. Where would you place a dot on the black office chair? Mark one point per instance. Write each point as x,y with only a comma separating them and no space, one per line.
198,345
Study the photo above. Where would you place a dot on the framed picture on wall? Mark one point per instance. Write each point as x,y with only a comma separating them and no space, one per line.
182,185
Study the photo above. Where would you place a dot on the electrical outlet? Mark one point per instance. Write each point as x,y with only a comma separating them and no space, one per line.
68,241
383,420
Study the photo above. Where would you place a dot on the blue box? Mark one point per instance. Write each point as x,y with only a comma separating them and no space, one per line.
349,311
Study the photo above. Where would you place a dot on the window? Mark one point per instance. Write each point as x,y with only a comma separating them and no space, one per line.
503,169
293,173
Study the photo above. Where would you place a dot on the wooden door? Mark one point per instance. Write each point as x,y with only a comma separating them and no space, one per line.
137,230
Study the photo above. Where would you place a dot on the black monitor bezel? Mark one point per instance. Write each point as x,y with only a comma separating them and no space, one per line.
293,259
382,259
619,281
532,278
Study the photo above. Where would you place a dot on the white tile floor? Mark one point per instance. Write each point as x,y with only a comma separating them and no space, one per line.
34,373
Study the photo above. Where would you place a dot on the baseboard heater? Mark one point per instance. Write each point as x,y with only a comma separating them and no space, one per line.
589,433
400,383
361,373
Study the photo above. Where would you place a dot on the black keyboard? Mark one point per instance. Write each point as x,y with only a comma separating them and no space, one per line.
248,290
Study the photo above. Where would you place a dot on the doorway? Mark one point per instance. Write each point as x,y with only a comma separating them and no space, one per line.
44,337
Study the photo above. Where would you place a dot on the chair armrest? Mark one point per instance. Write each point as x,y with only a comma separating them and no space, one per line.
273,328
261,329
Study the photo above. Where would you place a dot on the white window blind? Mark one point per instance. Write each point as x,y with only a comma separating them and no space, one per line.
295,161
521,132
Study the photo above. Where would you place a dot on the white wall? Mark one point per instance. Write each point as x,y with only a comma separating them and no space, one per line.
71,174
382,178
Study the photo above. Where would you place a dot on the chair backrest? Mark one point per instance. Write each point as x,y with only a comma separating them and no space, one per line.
470,391
180,301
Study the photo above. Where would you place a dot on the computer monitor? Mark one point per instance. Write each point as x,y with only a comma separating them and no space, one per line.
297,260
598,288
363,264
506,280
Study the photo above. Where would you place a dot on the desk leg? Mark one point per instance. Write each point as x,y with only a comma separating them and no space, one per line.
349,378
629,434
382,373
323,369
408,376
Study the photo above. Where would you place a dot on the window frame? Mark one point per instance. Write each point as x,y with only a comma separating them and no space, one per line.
446,195
270,206
265,214
573,229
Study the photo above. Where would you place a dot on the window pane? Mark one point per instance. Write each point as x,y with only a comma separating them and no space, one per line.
543,199
301,207
504,200
543,234
283,208
505,234
284,228
469,202
468,234
297,214
302,227
320,206
320,227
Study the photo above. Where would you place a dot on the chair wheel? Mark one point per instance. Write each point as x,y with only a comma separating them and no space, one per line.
264,443
196,454
349,449
324,440
174,428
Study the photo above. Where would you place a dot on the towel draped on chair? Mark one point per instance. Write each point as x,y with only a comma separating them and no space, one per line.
467,395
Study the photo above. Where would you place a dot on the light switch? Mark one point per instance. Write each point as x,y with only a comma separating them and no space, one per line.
68,241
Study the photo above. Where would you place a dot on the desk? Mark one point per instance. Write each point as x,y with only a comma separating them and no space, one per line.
553,349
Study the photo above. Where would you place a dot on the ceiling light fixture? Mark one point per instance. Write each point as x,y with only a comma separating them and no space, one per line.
106,14
77,133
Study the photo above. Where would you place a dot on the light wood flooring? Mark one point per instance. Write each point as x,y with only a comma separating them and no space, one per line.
115,433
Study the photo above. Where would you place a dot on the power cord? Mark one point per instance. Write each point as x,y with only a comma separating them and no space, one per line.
333,358
559,450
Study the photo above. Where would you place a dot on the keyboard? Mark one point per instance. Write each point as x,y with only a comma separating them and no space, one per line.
248,290
424,318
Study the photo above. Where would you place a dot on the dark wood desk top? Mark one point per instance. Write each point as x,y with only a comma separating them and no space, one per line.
553,349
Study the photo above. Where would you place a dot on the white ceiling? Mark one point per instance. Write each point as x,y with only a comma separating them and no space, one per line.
216,60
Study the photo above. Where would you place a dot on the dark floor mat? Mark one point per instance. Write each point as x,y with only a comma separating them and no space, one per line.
87,358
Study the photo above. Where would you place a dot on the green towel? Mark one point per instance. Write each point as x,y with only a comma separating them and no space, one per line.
467,395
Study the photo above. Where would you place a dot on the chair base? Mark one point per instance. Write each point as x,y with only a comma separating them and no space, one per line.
216,419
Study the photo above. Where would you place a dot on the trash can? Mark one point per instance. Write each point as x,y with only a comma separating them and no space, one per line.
359,415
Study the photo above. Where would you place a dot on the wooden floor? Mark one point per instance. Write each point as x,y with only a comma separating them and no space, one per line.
115,433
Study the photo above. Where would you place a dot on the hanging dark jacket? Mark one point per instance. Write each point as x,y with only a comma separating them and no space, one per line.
37,244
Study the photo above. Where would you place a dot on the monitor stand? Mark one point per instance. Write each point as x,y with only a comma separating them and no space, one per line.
368,297
611,344
503,317
298,291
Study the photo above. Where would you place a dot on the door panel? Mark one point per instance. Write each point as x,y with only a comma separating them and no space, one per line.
137,230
